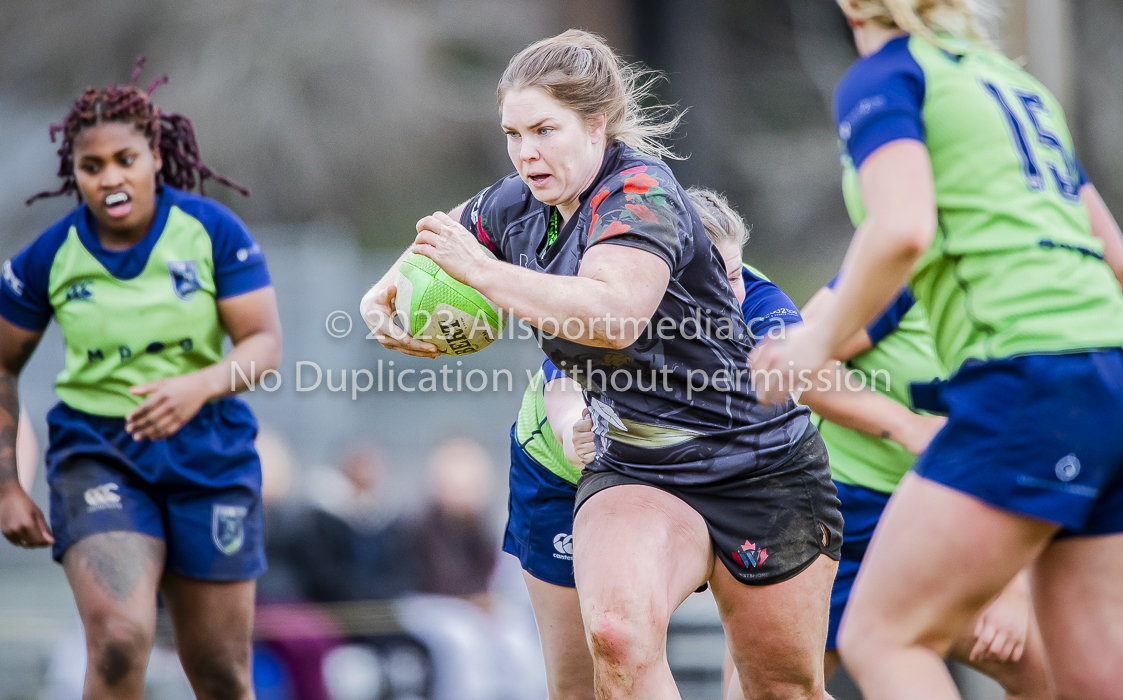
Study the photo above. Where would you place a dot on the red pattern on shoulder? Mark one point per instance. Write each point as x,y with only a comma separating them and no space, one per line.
633,171
642,212
614,229
639,184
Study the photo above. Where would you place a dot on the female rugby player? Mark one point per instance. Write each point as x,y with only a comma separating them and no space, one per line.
873,438
155,484
965,169
599,249
553,439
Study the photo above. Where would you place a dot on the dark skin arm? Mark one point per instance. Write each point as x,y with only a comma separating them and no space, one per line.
21,521
254,327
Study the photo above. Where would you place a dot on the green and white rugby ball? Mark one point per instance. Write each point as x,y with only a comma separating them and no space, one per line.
435,308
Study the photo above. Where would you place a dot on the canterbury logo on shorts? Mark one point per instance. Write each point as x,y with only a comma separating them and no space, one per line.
102,497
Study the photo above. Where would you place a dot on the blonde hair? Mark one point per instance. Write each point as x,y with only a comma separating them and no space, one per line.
962,19
584,74
722,222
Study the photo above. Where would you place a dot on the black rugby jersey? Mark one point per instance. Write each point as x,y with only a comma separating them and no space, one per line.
649,421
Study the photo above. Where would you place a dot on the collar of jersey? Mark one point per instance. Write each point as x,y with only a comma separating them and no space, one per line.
125,264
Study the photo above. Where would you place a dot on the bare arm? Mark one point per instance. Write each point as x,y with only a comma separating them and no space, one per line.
897,187
254,326
607,304
819,305
863,410
869,412
21,521
565,405
1105,228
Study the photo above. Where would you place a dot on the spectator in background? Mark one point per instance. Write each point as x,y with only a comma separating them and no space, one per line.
352,544
454,549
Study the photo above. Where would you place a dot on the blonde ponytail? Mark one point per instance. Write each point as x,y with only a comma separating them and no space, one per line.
961,19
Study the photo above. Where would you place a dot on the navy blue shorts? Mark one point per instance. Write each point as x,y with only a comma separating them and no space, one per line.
861,509
540,519
199,490
1038,435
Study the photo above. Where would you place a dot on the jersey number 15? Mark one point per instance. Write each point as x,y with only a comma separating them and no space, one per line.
1067,175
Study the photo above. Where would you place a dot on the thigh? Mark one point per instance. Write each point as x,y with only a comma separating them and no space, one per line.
938,556
213,622
777,633
557,610
638,552
1078,598
114,577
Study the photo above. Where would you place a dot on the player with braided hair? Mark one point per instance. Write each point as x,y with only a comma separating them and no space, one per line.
154,480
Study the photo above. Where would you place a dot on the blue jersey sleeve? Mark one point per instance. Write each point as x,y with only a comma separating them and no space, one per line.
25,298
239,264
551,371
765,306
880,100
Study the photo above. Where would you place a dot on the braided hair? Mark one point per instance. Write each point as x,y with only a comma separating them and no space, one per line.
172,134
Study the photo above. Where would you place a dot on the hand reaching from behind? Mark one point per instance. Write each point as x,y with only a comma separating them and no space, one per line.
1000,630
584,442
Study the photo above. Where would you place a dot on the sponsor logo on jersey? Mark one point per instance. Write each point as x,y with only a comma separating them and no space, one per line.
102,497
228,527
79,291
11,280
1068,468
749,556
125,352
185,278
563,543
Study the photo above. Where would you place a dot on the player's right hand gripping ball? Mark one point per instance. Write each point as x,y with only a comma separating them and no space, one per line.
433,307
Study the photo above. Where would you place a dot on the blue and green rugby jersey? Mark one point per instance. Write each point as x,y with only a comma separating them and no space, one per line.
133,316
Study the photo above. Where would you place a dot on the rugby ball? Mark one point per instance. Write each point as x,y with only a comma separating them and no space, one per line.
433,307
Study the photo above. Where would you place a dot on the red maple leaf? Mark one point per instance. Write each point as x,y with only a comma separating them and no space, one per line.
763,556
642,212
639,183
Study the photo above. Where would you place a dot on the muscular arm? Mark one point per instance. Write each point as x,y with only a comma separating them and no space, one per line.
607,304
899,193
1105,228
16,346
21,521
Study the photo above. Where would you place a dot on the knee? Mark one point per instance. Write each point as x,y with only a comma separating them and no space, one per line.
858,645
624,641
118,649
218,674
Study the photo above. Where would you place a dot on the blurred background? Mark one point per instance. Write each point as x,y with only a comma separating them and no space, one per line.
350,119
